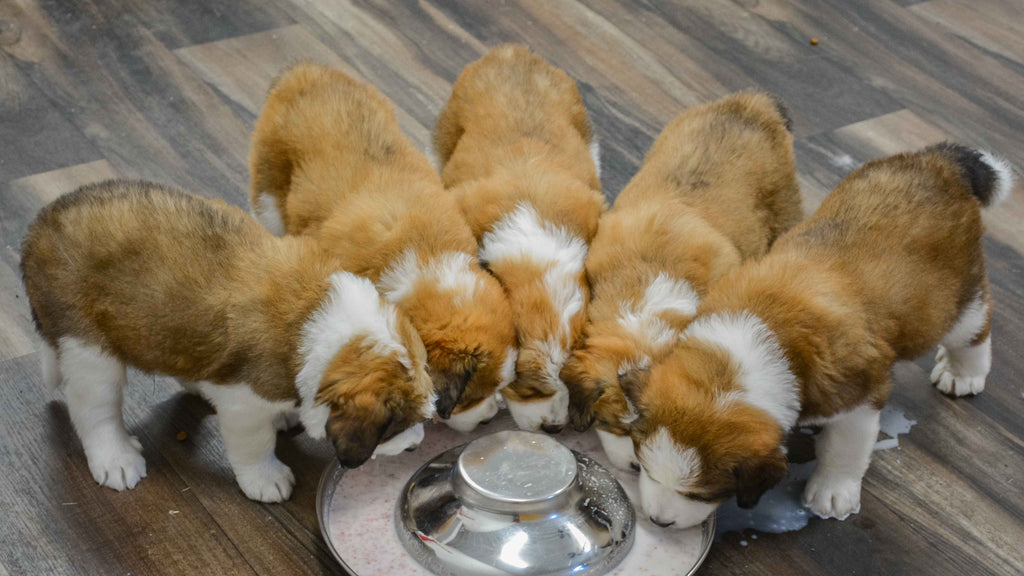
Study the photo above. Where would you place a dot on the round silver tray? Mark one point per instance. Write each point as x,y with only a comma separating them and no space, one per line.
440,438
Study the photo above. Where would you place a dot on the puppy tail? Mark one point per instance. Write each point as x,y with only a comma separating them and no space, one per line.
50,366
989,176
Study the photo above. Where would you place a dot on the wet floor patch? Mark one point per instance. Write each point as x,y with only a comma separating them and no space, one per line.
781,509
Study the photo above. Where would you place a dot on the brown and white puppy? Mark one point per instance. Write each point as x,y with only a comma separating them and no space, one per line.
131,273
517,152
717,187
889,266
329,161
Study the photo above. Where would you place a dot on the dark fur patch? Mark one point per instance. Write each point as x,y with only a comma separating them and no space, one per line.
982,178
783,111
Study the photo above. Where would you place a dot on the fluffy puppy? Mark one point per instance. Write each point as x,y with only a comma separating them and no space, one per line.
131,273
517,152
329,161
889,266
717,187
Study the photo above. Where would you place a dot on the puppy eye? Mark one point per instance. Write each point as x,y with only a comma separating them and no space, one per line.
698,497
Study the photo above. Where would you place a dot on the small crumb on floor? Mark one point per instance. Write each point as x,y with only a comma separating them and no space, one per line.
187,488
173,512
743,542
182,435
814,41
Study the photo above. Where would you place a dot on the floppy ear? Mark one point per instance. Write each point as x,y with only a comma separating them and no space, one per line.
356,432
755,476
450,386
584,392
633,382
582,400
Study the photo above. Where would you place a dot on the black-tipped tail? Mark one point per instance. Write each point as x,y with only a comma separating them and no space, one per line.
989,176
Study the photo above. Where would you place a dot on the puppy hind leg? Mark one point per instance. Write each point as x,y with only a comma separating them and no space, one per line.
844,452
94,391
964,357
248,425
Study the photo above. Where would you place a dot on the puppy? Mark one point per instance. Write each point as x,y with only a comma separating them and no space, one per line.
329,161
889,266
717,187
131,273
517,152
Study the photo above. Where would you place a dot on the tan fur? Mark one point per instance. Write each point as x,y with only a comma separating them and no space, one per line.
879,273
515,133
175,284
717,188
329,151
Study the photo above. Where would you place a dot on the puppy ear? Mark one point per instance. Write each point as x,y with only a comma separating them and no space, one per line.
584,392
449,387
755,476
633,383
356,432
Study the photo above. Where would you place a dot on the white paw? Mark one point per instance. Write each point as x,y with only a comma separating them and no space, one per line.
286,420
117,465
271,481
832,496
948,377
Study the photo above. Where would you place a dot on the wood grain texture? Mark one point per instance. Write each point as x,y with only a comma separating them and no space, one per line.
92,89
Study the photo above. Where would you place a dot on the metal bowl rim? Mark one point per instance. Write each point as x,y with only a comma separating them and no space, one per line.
333,468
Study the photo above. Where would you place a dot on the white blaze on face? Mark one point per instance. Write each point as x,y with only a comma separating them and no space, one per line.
669,469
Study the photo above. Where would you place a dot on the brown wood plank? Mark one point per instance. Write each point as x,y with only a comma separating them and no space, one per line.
147,114
57,520
169,91
34,135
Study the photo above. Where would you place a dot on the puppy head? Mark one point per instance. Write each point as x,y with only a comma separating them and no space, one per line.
549,307
363,380
593,373
464,320
699,443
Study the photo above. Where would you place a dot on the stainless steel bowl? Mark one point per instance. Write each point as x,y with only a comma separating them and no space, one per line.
515,503
357,511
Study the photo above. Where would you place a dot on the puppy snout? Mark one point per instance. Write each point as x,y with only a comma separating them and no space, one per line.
552,428
660,523
412,448
635,466
486,422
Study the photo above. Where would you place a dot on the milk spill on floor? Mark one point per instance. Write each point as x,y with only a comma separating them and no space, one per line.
781,509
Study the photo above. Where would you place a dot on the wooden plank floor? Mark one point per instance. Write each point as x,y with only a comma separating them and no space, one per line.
93,89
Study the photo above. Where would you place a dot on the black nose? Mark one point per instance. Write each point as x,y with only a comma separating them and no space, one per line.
552,428
486,422
662,524
635,466
412,448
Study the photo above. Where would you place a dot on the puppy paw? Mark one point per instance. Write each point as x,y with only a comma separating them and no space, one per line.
950,379
118,465
286,420
832,496
271,481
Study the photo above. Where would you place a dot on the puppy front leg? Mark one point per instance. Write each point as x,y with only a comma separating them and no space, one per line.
844,451
249,426
95,383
